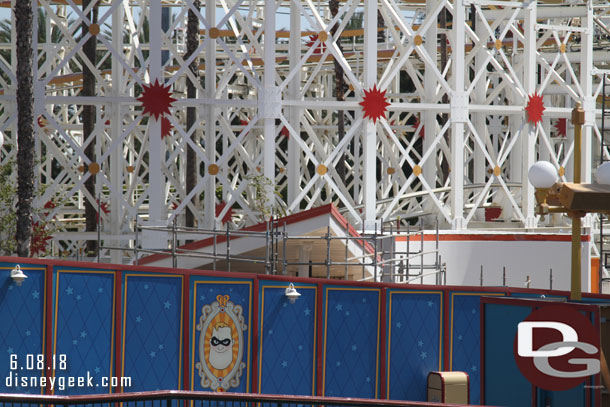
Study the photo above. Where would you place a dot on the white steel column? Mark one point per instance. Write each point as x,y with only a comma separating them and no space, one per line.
528,140
113,112
459,115
156,156
588,103
271,99
209,200
429,116
369,173
479,96
586,82
294,89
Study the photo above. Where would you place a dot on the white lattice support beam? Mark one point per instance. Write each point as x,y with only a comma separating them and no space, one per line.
156,148
271,101
479,97
294,115
369,169
588,103
529,132
209,200
586,83
116,157
459,114
429,116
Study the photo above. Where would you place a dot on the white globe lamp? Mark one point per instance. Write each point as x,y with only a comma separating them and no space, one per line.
542,174
603,173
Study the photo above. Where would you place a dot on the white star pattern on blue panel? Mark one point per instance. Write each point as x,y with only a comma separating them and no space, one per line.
69,290
167,304
420,343
423,355
83,334
430,303
339,307
474,311
307,311
78,297
300,347
35,294
146,286
338,363
100,290
460,337
354,348
10,287
368,379
9,350
364,300
161,347
284,364
74,342
474,368
285,304
138,319
96,370
28,333
202,298
399,325
153,354
347,313
270,332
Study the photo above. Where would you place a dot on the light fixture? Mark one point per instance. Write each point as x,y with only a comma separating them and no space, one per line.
603,173
542,174
18,276
292,293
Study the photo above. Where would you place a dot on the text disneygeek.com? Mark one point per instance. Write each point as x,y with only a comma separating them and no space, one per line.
15,380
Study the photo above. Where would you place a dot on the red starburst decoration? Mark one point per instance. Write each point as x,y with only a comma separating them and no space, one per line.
312,40
104,207
48,205
374,104
228,216
166,127
562,127
284,132
535,108
421,133
156,99
39,239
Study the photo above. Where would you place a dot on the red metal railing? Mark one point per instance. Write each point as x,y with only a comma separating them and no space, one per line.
169,398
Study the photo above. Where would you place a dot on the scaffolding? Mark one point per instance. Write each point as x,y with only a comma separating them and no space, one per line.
377,260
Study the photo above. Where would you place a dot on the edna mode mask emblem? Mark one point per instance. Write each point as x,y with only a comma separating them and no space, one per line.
556,348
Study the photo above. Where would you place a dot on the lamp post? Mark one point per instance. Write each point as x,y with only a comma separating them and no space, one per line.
578,119
574,199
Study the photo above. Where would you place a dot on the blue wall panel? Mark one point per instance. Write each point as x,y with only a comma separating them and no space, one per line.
205,291
84,330
287,340
504,383
152,331
22,316
351,342
414,342
465,340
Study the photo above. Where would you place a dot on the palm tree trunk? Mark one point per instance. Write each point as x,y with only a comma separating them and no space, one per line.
24,17
339,89
192,42
88,117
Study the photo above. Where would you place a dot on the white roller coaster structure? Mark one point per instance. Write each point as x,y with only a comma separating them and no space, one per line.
456,137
